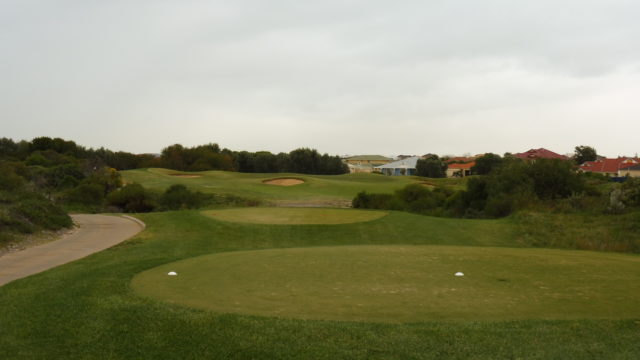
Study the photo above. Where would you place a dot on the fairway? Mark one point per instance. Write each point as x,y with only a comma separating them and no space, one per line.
403,283
294,215
280,188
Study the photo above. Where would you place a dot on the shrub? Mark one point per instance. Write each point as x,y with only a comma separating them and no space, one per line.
555,179
131,198
26,212
9,180
180,197
86,194
374,201
419,199
631,192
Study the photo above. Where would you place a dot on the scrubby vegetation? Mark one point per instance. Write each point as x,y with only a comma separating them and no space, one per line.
513,185
134,198
551,204
24,210
66,175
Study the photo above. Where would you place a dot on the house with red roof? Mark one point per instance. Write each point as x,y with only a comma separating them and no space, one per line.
460,159
541,153
631,171
460,169
620,166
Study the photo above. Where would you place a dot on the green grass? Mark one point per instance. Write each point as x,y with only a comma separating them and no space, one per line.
403,283
324,189
298,216
585,231
88,310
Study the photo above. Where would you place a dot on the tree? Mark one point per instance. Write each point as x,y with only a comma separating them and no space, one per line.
486,163
432,167
555,179
584,153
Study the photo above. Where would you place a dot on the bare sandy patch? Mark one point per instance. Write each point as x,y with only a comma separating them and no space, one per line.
185,176
284,182
428,185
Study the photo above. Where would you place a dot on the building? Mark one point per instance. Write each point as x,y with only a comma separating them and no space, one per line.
541,153
459,170
365,163
630,170
404,167
611,167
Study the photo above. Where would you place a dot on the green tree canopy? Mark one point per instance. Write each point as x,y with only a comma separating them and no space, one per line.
486,163
432,167
584,153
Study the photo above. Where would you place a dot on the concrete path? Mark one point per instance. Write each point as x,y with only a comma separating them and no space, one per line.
96,233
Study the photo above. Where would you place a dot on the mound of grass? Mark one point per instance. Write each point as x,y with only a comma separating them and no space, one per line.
585,231
294,215
403,283
87,309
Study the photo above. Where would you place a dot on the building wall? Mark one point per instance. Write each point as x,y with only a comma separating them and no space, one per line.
360,169
463,172
367,162
631,173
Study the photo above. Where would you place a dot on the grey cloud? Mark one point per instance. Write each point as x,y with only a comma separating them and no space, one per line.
199,71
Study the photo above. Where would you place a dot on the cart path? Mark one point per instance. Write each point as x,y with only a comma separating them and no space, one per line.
95,233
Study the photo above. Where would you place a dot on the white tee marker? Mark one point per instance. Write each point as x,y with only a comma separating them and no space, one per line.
172,273
459,274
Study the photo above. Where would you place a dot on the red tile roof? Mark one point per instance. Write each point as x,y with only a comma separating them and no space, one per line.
466,166
541,153
609,165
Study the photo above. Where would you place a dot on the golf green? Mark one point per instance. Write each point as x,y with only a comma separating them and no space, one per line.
282,215
403,283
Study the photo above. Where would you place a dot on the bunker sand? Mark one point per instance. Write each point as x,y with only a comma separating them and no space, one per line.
186,176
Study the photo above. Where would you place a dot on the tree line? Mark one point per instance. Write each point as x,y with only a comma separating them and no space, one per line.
43,178
47,152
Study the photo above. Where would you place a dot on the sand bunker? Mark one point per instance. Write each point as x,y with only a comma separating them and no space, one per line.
284,181
185,176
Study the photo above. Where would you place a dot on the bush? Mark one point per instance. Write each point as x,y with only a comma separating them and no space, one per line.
631,192
87,194
419,199
499,206
374,201
555,179
9,180
179,197
27,212
131,198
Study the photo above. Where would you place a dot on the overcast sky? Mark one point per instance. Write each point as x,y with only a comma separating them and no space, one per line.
343,76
